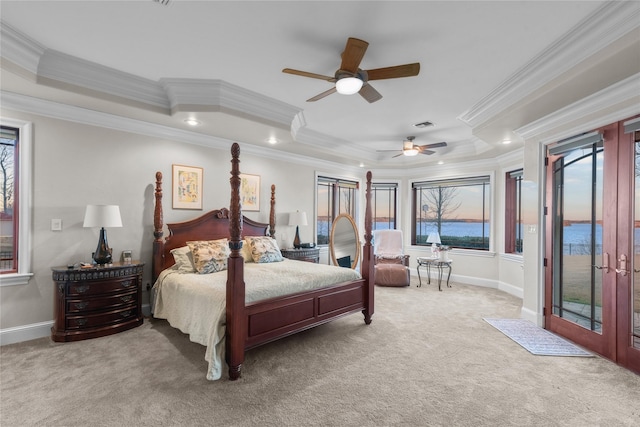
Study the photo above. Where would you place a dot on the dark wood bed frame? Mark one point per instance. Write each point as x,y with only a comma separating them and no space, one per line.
257,323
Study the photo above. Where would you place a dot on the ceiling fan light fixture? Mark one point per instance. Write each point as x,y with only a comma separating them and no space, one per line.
411,152
349,85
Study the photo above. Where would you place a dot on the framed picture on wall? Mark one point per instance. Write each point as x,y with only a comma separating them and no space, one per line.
187,187
250,192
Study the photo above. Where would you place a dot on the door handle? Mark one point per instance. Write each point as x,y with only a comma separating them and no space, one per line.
623,265
605,263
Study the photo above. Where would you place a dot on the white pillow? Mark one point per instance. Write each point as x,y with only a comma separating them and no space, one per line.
183,259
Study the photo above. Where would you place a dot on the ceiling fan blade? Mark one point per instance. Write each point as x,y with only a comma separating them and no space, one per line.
369,93
397,155
427,152
322,95
434,145
407,70
307,74
385,151
353,54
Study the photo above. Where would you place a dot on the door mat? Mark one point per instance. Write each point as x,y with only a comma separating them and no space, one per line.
536,340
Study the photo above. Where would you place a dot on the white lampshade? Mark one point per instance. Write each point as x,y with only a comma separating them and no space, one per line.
298,218
411,152
434,238
102,216
349,85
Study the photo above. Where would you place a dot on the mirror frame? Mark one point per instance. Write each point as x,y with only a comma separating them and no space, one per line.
356,259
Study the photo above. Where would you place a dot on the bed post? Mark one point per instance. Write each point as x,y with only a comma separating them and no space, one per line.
368,270
235,336
272,212
158,243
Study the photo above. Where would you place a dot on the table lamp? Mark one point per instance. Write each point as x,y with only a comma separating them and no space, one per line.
434,239
297,218
102,216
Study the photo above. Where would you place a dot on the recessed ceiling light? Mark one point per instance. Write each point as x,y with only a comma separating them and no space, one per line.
440,162
506,141
192,122
361,165
272,140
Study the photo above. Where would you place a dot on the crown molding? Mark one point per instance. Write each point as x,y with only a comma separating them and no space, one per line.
20,49
607,24
57,67
60,70
191,95
618,101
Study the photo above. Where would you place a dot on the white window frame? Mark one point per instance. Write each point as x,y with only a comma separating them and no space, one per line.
25,157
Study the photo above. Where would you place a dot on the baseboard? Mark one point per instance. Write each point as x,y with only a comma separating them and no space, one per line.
532,316
486,283
39,330
25,332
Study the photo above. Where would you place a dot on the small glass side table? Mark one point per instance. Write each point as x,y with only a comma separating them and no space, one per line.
440,264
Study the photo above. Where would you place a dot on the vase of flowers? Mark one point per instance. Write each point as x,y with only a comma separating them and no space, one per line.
443,252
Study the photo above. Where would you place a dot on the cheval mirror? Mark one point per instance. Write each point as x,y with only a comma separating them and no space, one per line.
344,242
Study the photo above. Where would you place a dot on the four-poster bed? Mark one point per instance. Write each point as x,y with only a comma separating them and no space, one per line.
249,315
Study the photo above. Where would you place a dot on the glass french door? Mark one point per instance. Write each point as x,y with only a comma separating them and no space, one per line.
592,291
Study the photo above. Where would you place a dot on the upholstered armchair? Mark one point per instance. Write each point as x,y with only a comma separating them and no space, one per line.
388,247
391,264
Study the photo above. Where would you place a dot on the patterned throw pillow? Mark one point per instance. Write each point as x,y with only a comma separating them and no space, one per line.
246,251
184,259
264,249
210,256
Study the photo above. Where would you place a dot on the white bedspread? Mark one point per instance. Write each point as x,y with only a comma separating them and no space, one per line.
195,303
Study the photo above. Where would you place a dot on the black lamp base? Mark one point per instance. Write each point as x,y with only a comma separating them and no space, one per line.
296,240
102,255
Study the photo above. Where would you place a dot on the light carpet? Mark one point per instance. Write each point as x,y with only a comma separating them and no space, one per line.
536,340
427,359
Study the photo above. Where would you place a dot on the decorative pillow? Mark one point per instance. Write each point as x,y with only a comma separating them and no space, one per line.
210,256
184,259
246,251
264,249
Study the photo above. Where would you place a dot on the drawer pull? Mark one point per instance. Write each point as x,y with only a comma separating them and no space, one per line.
126,313
126,298
80,305
81,322
81,289
126,283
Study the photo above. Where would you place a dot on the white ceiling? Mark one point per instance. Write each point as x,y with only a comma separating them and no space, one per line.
468,50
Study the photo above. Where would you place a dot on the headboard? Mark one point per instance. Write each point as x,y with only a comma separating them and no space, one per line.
208,226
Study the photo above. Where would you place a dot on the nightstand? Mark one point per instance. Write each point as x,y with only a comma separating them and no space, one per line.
96,301
302,254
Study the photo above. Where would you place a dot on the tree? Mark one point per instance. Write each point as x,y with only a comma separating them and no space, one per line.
441,204
6,175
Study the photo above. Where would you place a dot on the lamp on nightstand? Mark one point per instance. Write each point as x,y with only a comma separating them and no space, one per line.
102,216
297,218
434,239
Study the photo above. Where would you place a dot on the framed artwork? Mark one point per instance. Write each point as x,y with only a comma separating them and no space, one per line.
187,187
250,192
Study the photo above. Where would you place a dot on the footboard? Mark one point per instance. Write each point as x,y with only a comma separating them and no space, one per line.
271,319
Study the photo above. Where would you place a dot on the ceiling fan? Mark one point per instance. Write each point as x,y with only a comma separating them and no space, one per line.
410,149
350,79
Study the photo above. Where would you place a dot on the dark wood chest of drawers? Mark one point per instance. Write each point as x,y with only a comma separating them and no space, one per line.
98,301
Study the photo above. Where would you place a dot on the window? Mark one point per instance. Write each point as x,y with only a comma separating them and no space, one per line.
457,209
9,201
16,139
335,196
513,212
384,200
